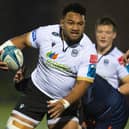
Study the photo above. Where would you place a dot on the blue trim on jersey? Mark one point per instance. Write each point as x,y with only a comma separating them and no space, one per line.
127,67
34,35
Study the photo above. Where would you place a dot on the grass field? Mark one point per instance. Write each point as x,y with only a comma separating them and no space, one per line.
5,110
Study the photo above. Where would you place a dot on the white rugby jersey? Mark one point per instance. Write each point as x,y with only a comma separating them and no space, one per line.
57,70
110,67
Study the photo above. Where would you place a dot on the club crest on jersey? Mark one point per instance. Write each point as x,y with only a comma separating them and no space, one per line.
55,33
106,61
74,52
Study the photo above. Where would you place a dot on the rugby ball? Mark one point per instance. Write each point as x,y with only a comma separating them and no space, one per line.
13,56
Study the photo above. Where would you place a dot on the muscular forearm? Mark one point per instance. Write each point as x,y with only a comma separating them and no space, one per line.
19,41
124,89
77,92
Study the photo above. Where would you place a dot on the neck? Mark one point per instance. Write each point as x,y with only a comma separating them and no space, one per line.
103,51
68,41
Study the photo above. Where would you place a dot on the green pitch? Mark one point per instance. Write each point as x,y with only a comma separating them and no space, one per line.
5,110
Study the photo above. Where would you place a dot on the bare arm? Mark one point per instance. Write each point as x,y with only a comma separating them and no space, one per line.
21,41
124,88
75,94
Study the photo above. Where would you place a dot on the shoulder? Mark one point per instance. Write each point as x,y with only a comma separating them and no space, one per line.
46,32
86,40
118,55
117,52
49,28
88,44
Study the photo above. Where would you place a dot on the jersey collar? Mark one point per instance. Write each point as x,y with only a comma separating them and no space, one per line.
72,45
113,46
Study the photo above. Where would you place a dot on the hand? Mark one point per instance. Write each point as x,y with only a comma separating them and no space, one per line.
3,65
84,125
126,57
20,75
55,108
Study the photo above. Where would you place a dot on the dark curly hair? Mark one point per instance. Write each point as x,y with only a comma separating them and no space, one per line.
74,7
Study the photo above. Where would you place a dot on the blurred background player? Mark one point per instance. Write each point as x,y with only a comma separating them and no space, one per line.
104,104
66,67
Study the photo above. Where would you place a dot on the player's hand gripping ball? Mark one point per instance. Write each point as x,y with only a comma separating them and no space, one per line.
13,56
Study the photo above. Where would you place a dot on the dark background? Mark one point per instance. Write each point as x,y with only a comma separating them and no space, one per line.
20,16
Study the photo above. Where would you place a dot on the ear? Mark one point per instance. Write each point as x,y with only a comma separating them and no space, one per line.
62,23
114,36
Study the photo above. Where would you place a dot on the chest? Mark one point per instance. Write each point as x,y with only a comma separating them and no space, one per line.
107,66
54,50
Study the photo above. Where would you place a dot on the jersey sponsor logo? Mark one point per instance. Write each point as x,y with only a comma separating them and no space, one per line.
91,70
34,35
52,55
58,66
93,59
74,52
121,60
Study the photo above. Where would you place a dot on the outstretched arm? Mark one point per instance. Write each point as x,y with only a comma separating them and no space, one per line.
124,88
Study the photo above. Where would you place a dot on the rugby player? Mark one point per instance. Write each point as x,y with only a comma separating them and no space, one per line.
104,104
65,69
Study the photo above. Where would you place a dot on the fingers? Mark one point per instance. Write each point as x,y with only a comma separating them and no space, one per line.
3,66
1,52
24,70
20,75
56,108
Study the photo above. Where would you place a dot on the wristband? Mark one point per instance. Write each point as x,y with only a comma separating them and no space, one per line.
5,44
65,103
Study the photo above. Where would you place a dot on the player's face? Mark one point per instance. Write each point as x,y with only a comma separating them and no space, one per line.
105,36
73,25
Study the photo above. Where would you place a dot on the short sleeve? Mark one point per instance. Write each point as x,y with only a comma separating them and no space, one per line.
122,70
33,38
87,68
37,36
